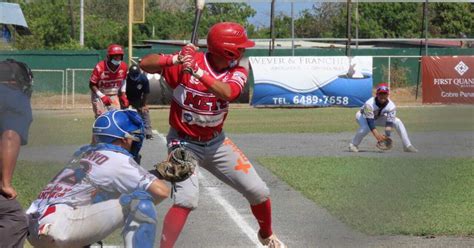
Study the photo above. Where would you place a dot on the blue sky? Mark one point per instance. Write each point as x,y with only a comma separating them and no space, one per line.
262,18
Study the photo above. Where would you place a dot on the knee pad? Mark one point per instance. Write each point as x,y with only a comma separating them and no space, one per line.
140,223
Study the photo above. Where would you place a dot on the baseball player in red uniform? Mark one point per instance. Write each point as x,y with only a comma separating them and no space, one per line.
107,82
203,85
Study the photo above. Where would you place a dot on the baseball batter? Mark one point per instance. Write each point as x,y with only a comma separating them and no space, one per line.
380,111
107,82
101,189
203,85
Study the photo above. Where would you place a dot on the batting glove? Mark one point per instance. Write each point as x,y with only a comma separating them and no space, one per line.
188,49
106,100
124,101
191,67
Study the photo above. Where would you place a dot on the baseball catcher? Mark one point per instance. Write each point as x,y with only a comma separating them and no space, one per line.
178,167
101,189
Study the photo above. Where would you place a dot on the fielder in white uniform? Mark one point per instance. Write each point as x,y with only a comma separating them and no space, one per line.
101,189
380,111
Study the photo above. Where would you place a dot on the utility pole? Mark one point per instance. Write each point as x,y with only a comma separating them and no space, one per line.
130,30
348,45
81,35
272,29
73,23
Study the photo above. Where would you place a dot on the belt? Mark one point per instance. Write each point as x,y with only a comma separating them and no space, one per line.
199,139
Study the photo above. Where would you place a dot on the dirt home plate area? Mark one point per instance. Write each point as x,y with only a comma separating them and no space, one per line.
223,218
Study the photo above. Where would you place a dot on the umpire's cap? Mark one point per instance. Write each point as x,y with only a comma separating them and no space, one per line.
133,72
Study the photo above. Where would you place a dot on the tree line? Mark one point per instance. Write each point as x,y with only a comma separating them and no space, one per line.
55,23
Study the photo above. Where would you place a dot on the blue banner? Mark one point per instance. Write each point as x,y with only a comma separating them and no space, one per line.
311,81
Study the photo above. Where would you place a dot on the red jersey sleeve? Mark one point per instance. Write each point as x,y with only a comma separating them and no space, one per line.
237,81
173,75
95,76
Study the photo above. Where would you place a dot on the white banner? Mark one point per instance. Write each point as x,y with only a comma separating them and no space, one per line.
311,81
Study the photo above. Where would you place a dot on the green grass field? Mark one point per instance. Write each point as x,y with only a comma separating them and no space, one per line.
63,128
374,195
387,196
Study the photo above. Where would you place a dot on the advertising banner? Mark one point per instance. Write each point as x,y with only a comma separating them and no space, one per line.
311,81
448,79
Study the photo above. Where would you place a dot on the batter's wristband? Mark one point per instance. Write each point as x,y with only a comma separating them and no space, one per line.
99,94
207,80
167,60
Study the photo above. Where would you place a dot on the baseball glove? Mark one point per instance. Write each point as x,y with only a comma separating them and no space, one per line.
385,144
179,166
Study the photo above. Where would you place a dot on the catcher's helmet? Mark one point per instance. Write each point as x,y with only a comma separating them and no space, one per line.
114,49
382,88
134,72
227,39
117,124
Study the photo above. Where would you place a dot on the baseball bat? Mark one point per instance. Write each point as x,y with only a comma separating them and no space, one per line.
197,19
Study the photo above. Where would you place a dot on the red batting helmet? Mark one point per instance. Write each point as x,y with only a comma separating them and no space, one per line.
114,49
382,88
226,38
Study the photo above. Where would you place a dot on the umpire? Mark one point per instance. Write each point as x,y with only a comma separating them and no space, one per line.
137,89
15,119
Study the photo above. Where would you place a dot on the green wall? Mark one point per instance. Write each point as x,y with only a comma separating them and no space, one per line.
61,60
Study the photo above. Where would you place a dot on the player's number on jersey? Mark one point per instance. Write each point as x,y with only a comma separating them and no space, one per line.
72,176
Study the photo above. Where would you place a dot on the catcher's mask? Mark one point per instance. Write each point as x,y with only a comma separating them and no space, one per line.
118,124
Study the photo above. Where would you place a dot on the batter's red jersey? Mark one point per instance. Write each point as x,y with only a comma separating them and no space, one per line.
108,81
195,111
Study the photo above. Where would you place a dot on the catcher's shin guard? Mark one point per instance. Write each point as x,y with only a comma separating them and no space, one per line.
140,224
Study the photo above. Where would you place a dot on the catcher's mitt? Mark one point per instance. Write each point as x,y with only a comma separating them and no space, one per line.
385,144
179,166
